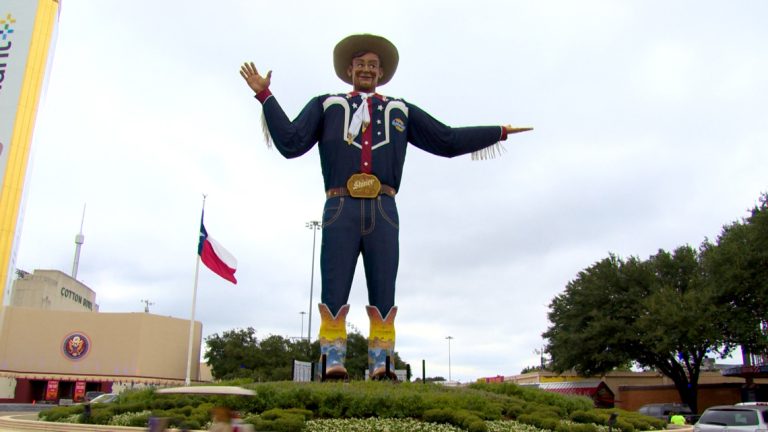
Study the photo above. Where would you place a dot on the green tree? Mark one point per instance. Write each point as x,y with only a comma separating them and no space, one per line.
357,356
682,316
647,312
239,354
275,359
738,264
529,369
233,354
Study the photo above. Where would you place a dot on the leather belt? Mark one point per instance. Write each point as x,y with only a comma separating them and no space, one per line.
343,191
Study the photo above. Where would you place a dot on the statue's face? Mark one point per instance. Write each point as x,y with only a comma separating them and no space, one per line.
365,71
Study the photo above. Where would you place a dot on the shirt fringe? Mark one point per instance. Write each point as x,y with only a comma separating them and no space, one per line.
265,130
490,152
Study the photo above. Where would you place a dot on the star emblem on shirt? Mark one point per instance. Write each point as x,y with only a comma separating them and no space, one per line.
381,107
354,105
378,121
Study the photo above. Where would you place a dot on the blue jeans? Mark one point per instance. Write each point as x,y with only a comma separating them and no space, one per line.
352,226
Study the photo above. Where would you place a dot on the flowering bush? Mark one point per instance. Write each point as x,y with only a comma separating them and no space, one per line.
131,419
377,425
406,425
511,426
72,418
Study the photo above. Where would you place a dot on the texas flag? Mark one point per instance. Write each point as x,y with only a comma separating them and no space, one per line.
215,257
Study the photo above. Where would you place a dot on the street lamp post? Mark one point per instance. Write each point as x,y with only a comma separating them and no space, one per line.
449,357
301,335
314,226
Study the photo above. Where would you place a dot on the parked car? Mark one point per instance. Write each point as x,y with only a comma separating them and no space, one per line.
664,411
733,418
105,398
92,394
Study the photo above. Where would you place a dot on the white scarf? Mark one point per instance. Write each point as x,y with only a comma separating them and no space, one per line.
361,118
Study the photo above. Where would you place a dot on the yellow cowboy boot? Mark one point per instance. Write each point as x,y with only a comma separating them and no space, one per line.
333,341
381,343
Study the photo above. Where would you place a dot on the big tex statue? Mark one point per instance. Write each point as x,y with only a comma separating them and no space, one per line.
362,138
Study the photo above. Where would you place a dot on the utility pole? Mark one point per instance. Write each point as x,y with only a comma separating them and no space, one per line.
314,226
147,304
449,357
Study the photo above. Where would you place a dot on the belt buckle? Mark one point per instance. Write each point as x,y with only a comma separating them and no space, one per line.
363,185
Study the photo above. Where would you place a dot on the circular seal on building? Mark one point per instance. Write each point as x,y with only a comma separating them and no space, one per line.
76,346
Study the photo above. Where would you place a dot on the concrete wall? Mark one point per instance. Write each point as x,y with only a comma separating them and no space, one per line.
7,388
53,290
138,345
632,398
635,389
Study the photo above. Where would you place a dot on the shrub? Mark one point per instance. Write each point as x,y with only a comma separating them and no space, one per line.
540,422
278,420
567,403
625,426
632,419
512,409
131,419
185,401
438,416
306,414
54,414
476,426
465,419
589,417
546,411
471,408
332,406
129,407
101,416
72,418
291,412
189,424
164,404
576,427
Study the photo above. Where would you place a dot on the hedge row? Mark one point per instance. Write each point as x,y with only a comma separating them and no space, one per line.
285,406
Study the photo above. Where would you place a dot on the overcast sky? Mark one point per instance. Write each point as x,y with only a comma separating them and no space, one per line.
651,133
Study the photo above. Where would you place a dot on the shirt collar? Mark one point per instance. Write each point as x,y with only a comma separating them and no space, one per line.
357,93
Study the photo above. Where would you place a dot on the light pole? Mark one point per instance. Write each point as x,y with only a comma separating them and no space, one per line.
302,313
314,226
147,304
449,357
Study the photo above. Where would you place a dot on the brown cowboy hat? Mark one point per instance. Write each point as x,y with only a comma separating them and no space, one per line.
354,44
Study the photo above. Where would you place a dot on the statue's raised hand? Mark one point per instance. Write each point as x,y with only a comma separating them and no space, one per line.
256,82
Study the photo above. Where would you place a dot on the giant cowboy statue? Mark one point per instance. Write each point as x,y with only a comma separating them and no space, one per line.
362,137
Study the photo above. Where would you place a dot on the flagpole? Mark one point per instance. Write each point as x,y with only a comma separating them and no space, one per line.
187,380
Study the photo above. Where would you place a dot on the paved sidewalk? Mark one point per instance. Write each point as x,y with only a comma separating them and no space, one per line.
20,422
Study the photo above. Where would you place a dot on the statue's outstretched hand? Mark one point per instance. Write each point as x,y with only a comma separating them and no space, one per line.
256,82
510,129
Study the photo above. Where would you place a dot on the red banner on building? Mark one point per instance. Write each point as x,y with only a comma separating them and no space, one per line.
79,391
52,392
496,379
